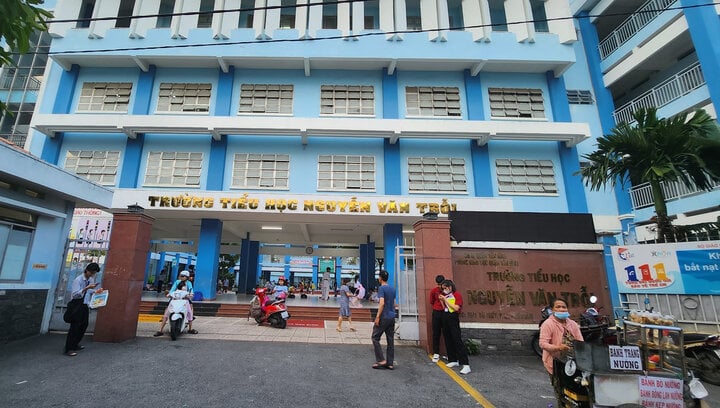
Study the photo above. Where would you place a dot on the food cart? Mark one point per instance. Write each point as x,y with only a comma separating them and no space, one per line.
646,369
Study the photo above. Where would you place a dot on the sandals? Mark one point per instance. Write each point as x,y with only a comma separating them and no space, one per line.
384,365
339,329
193,331
352,329
158,334
71,353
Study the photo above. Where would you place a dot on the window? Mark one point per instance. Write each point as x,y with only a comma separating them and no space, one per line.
455,13
432,101
86,13
180,97
525,176
539,16
125,11
95,165
344,173
372,14
413,15
497,15
580,97
516,103
347,100
104,96
14,249
205,17
173,169
167,8
287,14
266,98
329,14
247,14
445,174
271,171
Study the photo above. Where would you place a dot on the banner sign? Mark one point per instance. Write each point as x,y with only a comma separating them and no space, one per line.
625,358
657,392
676,268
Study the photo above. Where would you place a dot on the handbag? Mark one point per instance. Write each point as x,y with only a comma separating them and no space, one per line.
72,309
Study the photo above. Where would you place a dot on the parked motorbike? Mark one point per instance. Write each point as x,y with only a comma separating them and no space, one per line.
593,326
703,356
274,312
178,311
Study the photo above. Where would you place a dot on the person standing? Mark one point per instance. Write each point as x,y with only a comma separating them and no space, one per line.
557,334
82,289
384,323
456,351
325,285
438,308
344,303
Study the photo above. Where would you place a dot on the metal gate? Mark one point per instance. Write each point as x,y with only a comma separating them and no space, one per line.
408,325
78,253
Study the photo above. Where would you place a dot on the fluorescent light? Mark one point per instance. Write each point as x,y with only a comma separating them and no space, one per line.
272,228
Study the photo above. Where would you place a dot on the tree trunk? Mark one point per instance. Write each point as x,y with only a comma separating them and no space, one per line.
664,227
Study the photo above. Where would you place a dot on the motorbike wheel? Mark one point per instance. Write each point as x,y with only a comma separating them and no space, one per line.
259,319
709,367
174,329
282,324
535,344
273,321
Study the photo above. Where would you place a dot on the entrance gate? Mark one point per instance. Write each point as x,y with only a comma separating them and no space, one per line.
405,282
78,253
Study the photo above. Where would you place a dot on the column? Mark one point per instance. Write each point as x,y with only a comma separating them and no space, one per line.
247,274
608,241
569,159
208,255
367,265
479,155
392,238
705,30
66,90
124,277
391,151
432,257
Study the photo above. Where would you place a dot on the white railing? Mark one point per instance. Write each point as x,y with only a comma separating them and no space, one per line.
20,82
641,196
637,20
667,91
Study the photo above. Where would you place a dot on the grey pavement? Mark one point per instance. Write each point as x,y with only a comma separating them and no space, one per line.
229,372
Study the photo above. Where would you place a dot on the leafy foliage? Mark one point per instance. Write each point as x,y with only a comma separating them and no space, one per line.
656,150
19,19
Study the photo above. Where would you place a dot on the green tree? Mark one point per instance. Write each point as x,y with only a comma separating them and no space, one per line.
654,151
18,20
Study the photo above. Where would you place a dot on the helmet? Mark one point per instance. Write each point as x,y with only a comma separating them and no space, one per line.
185,274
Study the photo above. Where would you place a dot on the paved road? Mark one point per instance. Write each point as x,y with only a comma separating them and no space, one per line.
191,372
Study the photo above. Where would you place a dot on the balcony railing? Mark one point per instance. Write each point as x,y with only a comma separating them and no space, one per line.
19,82
669,90
641,196
637,20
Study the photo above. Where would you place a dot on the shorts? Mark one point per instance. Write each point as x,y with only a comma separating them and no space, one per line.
345,310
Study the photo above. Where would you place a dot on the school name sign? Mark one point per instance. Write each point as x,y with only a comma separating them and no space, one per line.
306,204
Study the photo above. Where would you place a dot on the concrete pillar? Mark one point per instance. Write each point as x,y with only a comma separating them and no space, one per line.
432,258
123,277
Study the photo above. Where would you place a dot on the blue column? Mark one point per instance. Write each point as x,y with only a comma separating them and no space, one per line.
132,160
223,99
393,171
216,164
63,105
315,268
286,273
367,265
705,31
569,161
390,95
607,241
603,98
208,255
143,91
248,272
474,95
173,274
392,237
479,154
338,272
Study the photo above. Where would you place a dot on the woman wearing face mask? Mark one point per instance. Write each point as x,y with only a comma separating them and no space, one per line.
557,334
452,302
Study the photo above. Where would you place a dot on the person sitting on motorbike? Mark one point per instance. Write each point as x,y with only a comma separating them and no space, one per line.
557,334
280,288
187,286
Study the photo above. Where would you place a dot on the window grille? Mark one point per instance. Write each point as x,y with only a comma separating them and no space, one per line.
446,174
345,173
580,97
95,165
174,169
266,98
104,96
184,97
265,171
432,101
516,103
347,100
525,176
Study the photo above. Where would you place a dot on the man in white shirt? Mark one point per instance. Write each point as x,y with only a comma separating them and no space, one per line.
82,289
